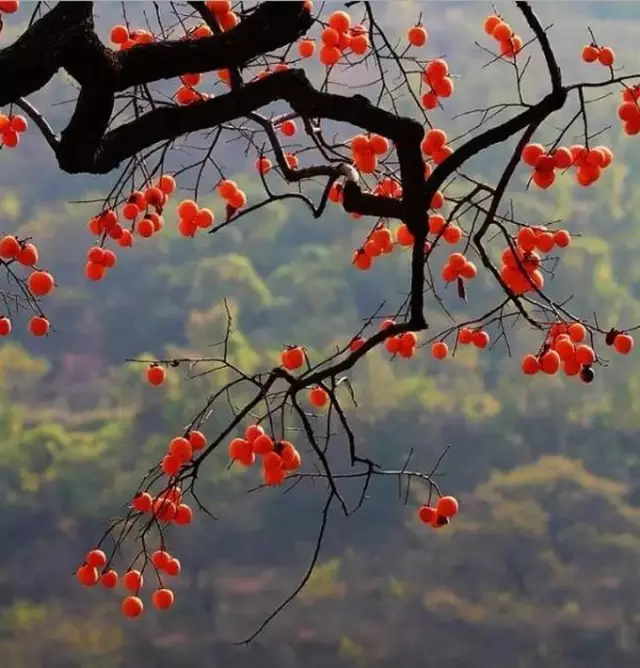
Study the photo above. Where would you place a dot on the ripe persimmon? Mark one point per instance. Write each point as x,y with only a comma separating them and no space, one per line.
162,599
28,255
181,448
9,248
262,444
171,464
156,374
439,350
240,449
39,325
417,35
273,476
318,397
292,358
427,514
306,48
530,365
447,506
5,326
184,514
87,575
96,558
197,439
109,579
142,502
173,567
623,343
132,607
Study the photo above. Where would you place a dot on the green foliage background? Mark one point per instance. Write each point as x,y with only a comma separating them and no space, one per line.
541,568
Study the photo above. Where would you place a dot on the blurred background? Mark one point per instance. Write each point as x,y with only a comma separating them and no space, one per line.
542,566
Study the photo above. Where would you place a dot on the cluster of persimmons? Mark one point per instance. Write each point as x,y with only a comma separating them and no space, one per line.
167,508
39,282
588,162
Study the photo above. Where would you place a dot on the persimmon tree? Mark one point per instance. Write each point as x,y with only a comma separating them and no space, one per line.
241,73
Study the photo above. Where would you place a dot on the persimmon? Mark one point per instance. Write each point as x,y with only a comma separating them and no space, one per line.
435,71
167,184
340,21
87,575
550,362
28,255
360,44
318,397
5,326
543,180
156,374
585,354
272,460
290,456
39,325
452,234
145,228
329,55
238,200
173,567
469,271
288,128
502,31
187,228
142,502
436,223
606,56
490,23
181,448
184,514
427,514
198,440
481,339
623,343
443,87
530,365
531,153
9,247
356,344
204,218
109,258
437,201
96,558
433,140
379,144
273,476
429,100
577,332
162,599
263,165
171,464
404,236
447,506
132,607
262,444
292,358
109,579
417,35
306,48
590,53
160,558
240,449
18,124
218,6
439,350
164,509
